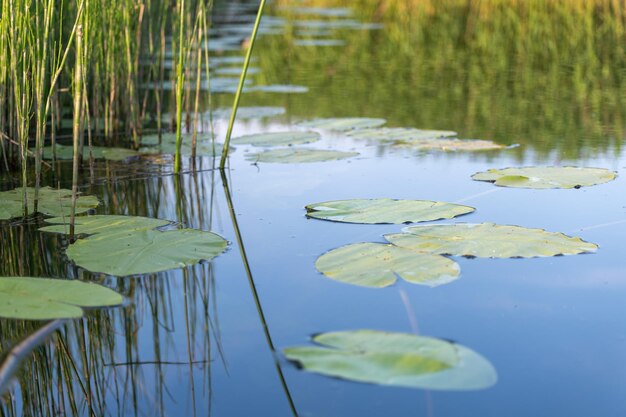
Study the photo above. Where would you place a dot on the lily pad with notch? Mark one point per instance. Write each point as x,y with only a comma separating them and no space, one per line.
299,155
343,124
134,250
385,210
278,138
546,177
51,202
488,240
30,298
395,359
378,265
63,152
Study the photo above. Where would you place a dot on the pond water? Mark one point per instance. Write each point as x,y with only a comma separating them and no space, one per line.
208,339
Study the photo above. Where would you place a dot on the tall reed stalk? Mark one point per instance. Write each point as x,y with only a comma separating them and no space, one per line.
242,80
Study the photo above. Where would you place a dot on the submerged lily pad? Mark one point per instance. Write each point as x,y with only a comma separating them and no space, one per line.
343,124
488,240
296,156
280,88
396,359
128,245
406,134
278,138
546,177
378,265
51,202
64,152
385,210
29,298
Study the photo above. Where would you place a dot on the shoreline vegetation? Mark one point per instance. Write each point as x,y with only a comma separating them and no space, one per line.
547,66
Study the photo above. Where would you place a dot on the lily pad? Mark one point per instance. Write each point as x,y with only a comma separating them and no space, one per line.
101,223
406,134
296,156
280,88
29,298
343,124
278,138
128,245
378,265
321,11
64,152
488,240
546,177
204,145
396,359
446,145
51,202
385,210
249,112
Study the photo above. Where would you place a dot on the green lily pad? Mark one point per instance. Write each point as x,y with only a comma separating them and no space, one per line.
296,156
396,359
385,210
278,138
101,223
378,265
236,71
405,134
280,88
51,202
488,240
321,11
64,152
546,177
343,124
249,112
447,145
204,145
145,251
128,245
29,298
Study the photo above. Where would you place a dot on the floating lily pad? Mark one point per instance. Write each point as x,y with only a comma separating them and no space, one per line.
29,298
280,88
468,145
236,71
64,152
385,210
145,251
343,124
319,42
337,24
51,202
406,134
488,240
396,359
546,177
101,223
378,265
249,112
128,245
296,156
278,138
204,145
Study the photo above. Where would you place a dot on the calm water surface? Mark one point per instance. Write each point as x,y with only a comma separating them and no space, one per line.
192,341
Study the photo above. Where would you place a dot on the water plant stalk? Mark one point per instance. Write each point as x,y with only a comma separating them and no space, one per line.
242,80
